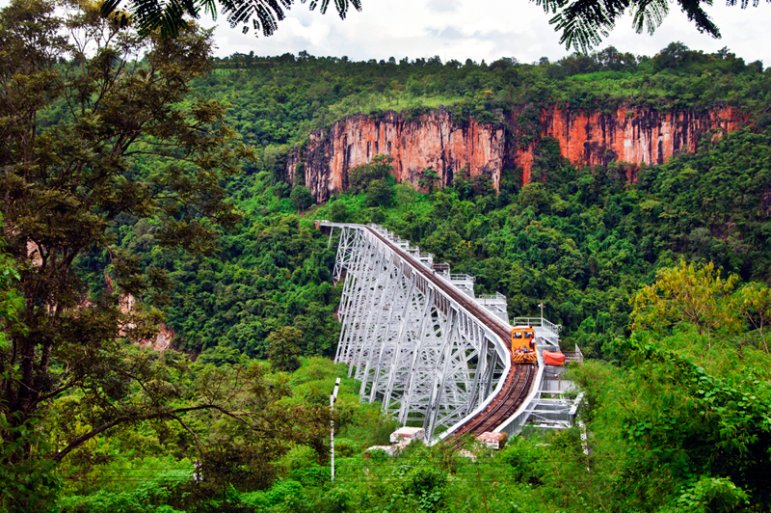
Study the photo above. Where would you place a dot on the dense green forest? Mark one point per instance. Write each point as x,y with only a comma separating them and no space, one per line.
581,241
275,102
157,172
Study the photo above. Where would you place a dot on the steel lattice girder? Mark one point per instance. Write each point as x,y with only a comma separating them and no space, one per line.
409,344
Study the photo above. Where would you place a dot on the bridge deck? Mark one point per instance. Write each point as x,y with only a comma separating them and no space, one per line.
518,382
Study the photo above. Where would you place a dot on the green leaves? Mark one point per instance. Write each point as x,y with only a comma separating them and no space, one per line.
714,494
74,171
686,293
263,16
585,23
302,197
284,349
360,177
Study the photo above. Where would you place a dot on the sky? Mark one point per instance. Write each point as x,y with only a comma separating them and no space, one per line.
483,30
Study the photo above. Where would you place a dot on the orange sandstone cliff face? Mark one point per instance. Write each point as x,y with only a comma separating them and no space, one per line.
634,136
451,146
432,140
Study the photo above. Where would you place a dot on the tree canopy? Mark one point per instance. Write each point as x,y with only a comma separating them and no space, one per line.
84,103
118,177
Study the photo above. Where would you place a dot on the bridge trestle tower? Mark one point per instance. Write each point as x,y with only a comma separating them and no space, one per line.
413,346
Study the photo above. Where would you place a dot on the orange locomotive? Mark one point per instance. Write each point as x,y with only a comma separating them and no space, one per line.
523,345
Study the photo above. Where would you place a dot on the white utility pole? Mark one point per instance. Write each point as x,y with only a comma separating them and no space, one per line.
541,305
332,399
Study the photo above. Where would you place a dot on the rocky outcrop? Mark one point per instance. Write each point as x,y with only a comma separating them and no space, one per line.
162,340
633,136
431,140
451,146
158,341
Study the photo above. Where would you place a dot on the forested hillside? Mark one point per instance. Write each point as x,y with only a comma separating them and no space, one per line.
615,228
146,174
581,241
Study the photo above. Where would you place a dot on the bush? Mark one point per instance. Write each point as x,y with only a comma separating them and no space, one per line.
360,177
302,197
380,193
284,349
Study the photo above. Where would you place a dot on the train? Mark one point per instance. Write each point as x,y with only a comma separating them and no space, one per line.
523,348
523,344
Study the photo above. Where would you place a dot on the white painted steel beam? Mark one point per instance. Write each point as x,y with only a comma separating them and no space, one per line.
413,348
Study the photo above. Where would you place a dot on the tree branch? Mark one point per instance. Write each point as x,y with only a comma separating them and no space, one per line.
195,436
124,419
63,388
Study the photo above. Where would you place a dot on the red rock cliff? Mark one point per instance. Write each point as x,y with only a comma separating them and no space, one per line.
436,140
431,140
634,136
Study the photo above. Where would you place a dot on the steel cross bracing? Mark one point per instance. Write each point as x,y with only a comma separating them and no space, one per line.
413,348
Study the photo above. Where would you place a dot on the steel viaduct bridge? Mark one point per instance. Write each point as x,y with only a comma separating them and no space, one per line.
432,353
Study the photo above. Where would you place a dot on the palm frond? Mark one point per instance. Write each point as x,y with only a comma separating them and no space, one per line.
695,13
342,6
261,15
648,15
551,6
584,23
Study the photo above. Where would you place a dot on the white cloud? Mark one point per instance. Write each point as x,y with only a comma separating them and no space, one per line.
475,29
461,29
443,5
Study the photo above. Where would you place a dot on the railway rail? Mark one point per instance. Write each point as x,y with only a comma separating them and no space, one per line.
517,383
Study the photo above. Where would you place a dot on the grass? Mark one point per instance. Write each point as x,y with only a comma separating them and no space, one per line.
375,102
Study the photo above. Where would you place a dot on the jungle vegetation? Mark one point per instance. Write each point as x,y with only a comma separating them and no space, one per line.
144,169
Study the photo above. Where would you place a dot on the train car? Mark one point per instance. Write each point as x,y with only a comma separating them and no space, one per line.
523,344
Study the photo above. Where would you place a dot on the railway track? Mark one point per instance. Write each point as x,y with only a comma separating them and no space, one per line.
504,405
520,378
